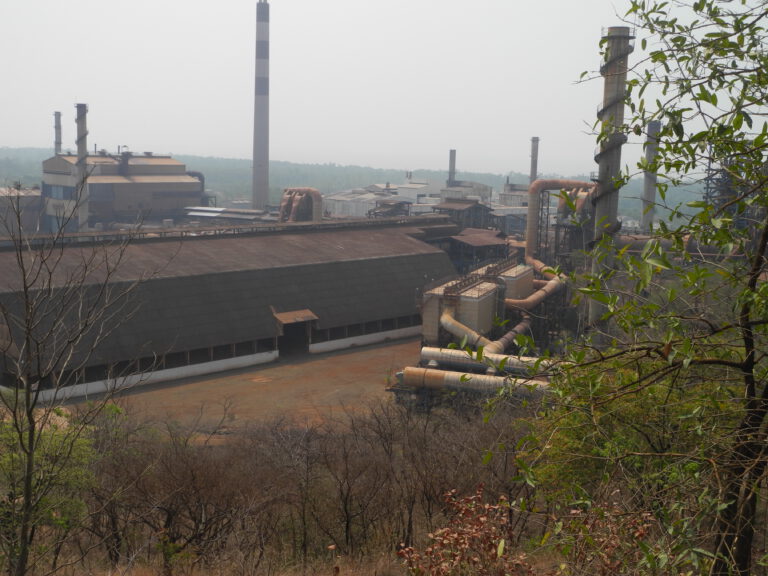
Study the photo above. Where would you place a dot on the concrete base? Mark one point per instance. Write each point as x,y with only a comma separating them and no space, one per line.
344,343
119,384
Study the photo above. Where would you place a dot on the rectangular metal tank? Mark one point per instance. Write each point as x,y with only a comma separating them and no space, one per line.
430,316
519,281
477,307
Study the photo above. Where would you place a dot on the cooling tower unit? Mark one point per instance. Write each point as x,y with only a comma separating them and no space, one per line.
261,110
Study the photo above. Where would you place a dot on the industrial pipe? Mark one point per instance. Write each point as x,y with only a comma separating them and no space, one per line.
439,380
534,206
475,339
461,359
578,197
554,284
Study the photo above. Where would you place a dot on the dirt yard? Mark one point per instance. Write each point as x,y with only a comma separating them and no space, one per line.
302,387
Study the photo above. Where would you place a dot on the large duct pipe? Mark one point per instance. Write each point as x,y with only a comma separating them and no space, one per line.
440,380
475,339
261,110
574,203
534,207
554,284
649,176
82,166
611,117
451,168
461,359
57,133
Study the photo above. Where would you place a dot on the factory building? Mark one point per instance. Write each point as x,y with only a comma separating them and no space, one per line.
211,303
419,195
19,210
124,188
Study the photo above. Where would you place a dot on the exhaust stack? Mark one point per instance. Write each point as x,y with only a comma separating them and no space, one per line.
649,177
534,160
451,168
618,47
81,197
261,110
57,133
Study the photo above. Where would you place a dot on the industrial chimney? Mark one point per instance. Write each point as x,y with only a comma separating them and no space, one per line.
618,47
451,168
261,109
82,166
534,160
649,177
57,132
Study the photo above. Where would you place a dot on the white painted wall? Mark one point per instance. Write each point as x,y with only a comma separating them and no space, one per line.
344,343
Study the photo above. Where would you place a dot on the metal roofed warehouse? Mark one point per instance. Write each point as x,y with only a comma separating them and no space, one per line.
218,302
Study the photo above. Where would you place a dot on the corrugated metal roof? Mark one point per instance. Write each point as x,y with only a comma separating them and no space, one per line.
22,192
102,179
480,241
295,316
217,254
161,160
480,237
458,205
209,291
163,178
153,160
142,179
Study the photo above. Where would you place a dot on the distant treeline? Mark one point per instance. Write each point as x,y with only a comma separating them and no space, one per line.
230,178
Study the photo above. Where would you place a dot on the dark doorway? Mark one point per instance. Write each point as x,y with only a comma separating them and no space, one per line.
295,339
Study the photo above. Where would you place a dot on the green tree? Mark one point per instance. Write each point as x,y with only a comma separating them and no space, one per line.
683,380
58,303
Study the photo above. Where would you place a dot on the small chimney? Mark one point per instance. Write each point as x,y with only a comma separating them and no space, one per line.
57,132
451,168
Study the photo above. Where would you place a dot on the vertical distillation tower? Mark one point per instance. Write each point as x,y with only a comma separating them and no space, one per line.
618,47
261,109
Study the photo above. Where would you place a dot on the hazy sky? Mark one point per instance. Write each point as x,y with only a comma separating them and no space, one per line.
388,84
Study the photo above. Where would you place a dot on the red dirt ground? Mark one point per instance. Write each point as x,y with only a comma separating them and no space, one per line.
302,387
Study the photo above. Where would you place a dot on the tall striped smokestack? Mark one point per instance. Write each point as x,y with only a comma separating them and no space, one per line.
82,167
261,109
57,132
451,168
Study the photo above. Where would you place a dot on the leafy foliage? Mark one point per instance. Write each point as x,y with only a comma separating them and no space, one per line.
671,400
